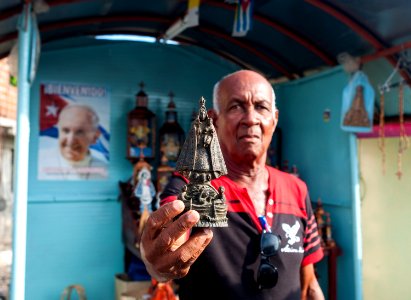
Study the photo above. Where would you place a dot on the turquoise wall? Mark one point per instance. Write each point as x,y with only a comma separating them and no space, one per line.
321,152
74,228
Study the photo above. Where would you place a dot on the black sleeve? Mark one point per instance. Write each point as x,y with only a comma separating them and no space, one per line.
173,187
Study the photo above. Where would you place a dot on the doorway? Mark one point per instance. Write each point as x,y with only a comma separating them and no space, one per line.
385,213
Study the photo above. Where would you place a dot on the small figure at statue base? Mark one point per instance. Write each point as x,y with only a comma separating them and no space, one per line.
207,201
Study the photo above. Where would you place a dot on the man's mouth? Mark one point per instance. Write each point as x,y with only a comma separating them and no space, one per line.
249,137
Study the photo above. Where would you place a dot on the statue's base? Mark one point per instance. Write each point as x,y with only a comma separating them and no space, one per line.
220,223
208,202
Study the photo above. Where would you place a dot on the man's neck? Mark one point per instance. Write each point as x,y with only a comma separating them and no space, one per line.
254,177
247,172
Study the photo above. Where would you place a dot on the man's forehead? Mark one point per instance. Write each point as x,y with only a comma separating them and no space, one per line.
75,112
246,92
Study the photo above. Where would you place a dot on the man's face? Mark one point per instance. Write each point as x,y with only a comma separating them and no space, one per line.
246,121
76,133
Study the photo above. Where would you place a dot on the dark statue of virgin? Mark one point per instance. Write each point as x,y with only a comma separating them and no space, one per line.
200,161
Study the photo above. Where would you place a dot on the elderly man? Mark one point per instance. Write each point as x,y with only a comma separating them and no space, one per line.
271,242
77,131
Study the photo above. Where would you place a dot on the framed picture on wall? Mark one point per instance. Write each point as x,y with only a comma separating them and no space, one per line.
74,132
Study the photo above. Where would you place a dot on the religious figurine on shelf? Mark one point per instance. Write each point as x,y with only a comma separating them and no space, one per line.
319,217
145,190
329,241
323,219
357,115
170,147
139,133
141,124
201,161
171,135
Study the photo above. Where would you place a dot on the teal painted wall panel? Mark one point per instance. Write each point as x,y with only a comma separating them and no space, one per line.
321,152
73,243
319,149
74,227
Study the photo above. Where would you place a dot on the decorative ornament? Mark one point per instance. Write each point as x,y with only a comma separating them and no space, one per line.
324,226
141,129
403,142
329,241
319,217
144,191
381,131
201,160
358,104
171,136
357,115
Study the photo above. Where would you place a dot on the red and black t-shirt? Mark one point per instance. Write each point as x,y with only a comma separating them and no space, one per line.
227,269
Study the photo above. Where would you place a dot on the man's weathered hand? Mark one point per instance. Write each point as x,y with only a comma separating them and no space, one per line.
166,249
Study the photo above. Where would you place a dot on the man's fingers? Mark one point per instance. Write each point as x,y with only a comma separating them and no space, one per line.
186,255
192,248
161,217
169,236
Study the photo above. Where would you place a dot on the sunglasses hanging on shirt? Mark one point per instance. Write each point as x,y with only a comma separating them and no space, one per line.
267,276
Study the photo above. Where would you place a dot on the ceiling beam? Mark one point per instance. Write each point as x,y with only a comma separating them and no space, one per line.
309,45
180,39
249,48
15,10
10,12
386,52
360,30
145,18
111,19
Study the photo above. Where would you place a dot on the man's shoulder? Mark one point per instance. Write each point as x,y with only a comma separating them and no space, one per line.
289,188
284,177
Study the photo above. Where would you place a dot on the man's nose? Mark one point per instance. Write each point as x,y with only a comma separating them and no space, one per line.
250,117
70,138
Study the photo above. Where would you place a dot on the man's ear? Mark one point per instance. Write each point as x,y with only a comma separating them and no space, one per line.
275,120
213,115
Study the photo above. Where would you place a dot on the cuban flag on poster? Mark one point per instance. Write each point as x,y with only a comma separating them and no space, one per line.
89,156
243,17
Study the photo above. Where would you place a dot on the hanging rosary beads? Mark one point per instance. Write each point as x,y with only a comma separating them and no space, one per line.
403,142
381,141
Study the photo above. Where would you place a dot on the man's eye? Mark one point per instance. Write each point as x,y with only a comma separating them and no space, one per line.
262,107
235,107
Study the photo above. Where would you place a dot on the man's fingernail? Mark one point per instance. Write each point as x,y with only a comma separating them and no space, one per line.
179,205
192,216
207,231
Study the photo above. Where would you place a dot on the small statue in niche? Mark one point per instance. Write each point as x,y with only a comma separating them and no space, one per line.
357,114
145,190
329,241
201,161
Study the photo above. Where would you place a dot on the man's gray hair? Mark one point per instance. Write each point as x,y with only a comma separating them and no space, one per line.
217,88
95,120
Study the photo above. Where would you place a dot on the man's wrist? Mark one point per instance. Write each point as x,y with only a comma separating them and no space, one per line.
149,267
